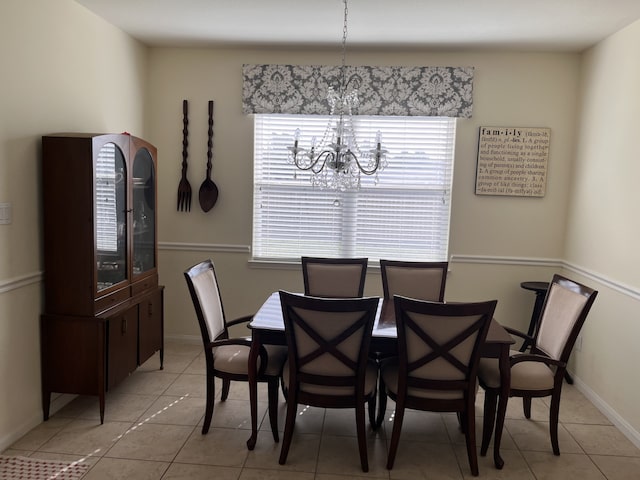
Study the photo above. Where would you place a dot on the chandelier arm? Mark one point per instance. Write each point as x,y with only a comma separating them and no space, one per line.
327,154
373,170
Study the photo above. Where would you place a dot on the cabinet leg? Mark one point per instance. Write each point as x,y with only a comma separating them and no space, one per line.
46,404
161,358
101,399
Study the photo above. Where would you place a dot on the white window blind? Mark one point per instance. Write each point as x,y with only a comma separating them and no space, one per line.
405,216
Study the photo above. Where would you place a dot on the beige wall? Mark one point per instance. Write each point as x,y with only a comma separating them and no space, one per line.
603,227
63,69
512,89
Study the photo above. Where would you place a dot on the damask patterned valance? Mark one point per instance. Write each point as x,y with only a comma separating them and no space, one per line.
405,91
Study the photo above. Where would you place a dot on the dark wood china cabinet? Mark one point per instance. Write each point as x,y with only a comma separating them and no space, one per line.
103,313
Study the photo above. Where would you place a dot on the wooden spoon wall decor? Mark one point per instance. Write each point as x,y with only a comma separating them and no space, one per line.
208,190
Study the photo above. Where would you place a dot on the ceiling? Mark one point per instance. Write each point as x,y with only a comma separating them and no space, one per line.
545,25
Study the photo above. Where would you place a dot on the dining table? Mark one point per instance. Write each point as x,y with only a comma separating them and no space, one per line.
267,328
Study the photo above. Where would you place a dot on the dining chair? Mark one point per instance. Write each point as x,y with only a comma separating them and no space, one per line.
419,280
334,277
439,346
228,358
328,363
540,371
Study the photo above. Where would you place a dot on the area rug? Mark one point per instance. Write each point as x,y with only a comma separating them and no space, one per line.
25,468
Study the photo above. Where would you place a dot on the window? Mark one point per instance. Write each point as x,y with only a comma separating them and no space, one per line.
405,216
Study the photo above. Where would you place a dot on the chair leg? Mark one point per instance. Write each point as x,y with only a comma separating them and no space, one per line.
284,388
225,389
362,437
371,404
490,400
469,426
554,414
395,435
292,410
382,402
526,407
273,407
208,412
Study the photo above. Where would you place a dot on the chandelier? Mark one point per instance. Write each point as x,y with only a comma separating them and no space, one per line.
337,161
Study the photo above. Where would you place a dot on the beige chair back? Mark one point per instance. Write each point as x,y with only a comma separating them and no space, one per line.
419,280
563,313
328,341
439,343
334,277
203,287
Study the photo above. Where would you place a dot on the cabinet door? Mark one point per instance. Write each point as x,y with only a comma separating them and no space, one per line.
150,325
144,215
122,346
110,209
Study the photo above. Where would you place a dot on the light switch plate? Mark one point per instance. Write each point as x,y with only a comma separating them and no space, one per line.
5,213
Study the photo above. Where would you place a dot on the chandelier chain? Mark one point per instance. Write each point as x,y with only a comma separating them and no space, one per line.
337,161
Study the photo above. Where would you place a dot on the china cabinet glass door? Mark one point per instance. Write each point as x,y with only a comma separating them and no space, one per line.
110,216
144,229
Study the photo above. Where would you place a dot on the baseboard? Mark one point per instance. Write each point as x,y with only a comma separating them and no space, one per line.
614,417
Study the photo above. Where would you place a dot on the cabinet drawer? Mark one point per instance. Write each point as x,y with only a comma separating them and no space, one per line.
145,284
111,300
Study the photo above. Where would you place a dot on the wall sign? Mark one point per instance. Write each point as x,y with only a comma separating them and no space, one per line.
512,161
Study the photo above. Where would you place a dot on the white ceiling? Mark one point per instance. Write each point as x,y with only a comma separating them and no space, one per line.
564,25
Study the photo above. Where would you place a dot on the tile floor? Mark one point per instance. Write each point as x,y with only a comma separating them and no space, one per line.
153,421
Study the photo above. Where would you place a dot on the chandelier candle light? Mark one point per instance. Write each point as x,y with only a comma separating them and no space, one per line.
337,161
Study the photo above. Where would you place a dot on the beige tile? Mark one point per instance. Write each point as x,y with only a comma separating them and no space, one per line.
183,348
146,383
220,446
83,406
39,435
576,408
539,409
186,384
264,474
418,426
235,414
84,437
65,457
419,460
239,390
308,419
119,407
151,442
515,467
172,363
12,452
342,421
198,366
602,440
457,437
118,468
180,471
340,455
534,435
302,457
331,476
618,468
175,410
547,466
